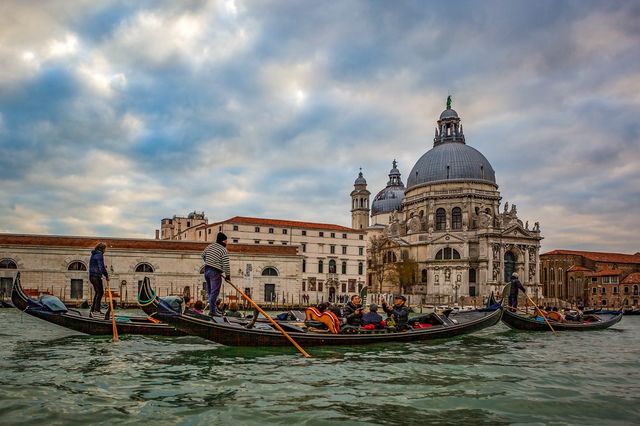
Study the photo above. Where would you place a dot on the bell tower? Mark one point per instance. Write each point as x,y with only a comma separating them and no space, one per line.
360,203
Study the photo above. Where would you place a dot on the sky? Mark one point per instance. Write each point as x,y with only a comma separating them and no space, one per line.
114,114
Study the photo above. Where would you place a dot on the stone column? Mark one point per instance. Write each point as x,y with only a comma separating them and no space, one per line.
490,270
501,269
526,265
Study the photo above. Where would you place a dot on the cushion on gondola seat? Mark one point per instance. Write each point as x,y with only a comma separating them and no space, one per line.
53,304
422,325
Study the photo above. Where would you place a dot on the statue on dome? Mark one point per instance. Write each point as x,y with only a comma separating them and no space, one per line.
449,102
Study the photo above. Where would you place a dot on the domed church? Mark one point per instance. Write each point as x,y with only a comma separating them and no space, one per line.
445,235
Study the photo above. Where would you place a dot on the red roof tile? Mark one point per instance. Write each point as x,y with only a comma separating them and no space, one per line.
137,244
633,278
575,268
286,224
598,256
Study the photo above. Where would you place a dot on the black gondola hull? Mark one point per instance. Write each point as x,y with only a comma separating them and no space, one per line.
520,322
234,334
85,324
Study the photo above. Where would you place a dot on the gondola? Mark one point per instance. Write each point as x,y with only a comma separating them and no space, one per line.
520,321
51,309
426,327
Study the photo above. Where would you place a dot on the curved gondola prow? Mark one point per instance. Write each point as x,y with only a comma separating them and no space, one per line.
147,298
18,297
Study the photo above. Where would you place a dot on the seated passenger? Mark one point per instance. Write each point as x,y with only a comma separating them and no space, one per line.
399,312
554,315
352,311
198,307
233,311
373,319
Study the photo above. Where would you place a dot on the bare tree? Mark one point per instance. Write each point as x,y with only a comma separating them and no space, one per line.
377,262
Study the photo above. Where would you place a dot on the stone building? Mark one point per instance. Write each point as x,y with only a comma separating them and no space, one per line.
58,265
591,278
332,256
448,227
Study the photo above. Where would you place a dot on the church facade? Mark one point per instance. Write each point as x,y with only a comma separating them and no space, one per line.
446,235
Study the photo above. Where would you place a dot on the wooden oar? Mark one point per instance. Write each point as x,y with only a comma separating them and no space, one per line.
276,325
545,318
113,314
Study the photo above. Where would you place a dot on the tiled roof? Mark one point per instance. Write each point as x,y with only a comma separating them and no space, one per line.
575,268
632,278
598,256
242,220
606,272
137,244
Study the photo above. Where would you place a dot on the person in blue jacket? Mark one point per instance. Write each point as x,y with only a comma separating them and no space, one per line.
97,270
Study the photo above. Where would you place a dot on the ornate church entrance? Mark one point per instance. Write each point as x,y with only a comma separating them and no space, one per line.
509,265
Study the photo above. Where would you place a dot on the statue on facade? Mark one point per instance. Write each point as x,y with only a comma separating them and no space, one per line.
506,207
447,274
526,226
536,226
514,211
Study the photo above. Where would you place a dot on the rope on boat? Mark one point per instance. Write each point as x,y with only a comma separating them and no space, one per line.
147,302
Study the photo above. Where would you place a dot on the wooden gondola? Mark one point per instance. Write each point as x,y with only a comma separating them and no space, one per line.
519,321
78,321
427,327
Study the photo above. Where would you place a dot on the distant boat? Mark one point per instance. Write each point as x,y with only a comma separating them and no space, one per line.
519,321
51,309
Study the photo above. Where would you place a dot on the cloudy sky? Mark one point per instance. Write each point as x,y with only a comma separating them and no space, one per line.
116,114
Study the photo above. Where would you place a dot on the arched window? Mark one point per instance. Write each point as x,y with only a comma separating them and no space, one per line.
360,268
344,267
144,267
332,266
544,275
456,218
77,266
441,219
269,272
447,254
320,266
8,264
424,275
552,276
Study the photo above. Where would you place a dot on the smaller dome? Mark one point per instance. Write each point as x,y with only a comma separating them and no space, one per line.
387,200
449,113
360,180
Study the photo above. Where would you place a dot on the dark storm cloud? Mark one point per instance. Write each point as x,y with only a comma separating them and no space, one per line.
116,114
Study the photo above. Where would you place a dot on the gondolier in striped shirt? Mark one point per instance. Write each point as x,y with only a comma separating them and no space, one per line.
216,263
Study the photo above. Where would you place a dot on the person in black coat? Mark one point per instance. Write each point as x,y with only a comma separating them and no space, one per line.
352,311
399,311
97,270
513,290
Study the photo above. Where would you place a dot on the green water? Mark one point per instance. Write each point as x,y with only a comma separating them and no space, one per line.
51,375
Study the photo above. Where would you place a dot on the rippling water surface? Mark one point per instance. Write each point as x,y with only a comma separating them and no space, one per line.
51,375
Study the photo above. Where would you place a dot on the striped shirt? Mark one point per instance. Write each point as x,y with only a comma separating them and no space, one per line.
217,256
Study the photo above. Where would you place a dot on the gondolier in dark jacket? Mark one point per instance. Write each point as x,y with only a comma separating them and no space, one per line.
399,311
96,270
216,263
352,311
513,290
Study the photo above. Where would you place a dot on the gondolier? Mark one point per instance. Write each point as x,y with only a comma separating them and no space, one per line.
513,290
96,270
216,263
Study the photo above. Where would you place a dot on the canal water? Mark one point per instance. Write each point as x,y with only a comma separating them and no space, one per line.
50,375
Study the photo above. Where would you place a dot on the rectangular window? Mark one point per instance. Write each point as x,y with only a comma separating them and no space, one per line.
344,249
220,228
304,285
352,286
304,266
333,235
284,232
284,243
344,268
605,280
614,280
344,287
320,266
235,241
235,227
344,236
270,242
594,279
304,247
257,229
332,249
199,233
304,232
76,289
361,251
320,234
320,286
271,230
360,268
361,237
256,241
209,231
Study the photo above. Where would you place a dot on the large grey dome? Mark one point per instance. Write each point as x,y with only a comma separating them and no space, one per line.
451,161
390,198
